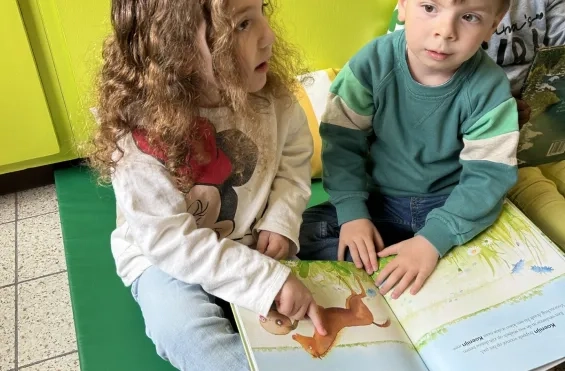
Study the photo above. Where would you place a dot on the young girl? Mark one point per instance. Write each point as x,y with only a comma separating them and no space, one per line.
209,157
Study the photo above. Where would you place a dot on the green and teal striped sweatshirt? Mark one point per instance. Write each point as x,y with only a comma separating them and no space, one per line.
457,139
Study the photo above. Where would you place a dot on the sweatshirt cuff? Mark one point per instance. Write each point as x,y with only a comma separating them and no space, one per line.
438,234
265,302
352,209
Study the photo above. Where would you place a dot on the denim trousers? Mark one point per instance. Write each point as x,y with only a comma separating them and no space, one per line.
396,219
187,325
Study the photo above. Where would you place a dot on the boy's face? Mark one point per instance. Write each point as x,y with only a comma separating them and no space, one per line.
443,34
254,39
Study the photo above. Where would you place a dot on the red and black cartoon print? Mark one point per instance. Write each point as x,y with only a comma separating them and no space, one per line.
213,200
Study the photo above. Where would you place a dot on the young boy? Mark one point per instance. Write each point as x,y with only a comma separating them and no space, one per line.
540,190
431,119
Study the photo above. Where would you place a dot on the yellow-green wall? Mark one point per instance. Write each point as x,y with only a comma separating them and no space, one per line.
66,37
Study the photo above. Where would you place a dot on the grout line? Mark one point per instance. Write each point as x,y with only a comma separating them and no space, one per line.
8,222
40,277
16,350
38,215
48,359
6,286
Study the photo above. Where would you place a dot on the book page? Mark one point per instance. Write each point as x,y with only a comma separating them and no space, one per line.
362,330
491,302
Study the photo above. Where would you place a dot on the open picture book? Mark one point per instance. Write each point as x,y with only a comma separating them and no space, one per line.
495,303
542,139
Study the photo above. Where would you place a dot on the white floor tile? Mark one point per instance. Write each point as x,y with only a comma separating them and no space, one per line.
37,201
45,321
40,247
7,328
7,208
65,363
7,253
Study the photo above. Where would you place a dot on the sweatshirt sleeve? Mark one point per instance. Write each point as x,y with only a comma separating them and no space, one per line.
555,18
489,170
345,128
158,222
290,190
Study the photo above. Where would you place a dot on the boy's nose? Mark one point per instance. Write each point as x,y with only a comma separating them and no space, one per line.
446,30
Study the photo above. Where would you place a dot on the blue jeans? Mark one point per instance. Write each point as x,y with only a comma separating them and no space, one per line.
187,325
396,219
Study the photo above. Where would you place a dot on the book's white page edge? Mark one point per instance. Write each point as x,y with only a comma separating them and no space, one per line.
244,339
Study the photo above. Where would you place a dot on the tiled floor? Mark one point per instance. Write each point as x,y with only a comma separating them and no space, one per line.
36,323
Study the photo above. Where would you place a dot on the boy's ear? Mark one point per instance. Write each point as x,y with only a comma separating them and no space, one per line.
402,10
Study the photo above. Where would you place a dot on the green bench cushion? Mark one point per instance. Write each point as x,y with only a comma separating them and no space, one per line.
109,326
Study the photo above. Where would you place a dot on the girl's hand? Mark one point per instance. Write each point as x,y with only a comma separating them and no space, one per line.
416,259
273,245
296,302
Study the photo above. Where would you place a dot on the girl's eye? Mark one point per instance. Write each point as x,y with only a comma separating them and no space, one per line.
471,18
243,25
429,8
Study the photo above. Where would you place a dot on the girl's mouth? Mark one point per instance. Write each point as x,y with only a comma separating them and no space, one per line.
263,67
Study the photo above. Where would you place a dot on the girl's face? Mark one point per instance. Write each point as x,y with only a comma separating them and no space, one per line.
254,40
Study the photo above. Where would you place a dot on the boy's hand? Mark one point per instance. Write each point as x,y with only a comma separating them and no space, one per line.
273,245
361,237
524,112
415,261
295,301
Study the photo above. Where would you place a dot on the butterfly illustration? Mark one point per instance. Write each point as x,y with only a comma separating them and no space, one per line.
542,269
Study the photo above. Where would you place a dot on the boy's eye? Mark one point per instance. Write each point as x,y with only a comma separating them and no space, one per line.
428,8
243,25
471,18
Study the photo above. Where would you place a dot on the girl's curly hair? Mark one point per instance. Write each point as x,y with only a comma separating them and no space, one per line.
150,79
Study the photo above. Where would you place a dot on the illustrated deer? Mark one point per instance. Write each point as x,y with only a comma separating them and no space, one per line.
355,313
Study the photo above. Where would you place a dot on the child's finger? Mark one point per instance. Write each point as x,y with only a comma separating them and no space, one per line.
263,241
285,307
379,244
392,280
418,283
273,249
403,284
390,267
365,254
314,315
373,260
282,253
354,251
391,250
301,312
